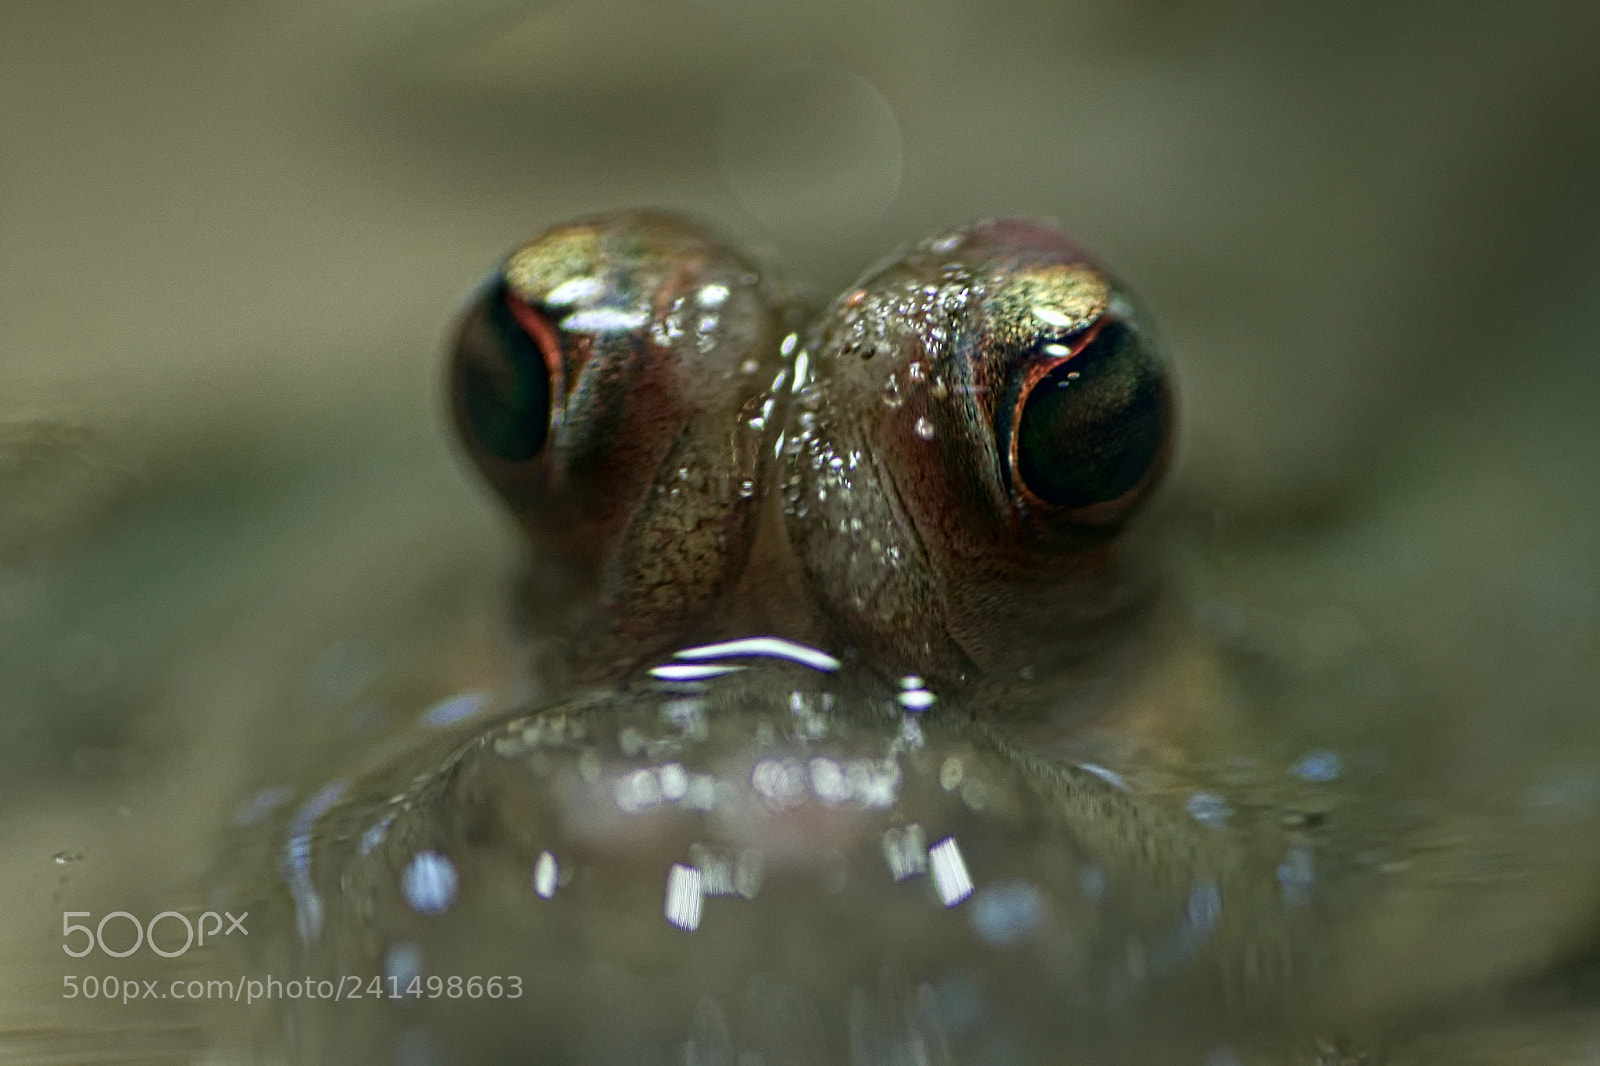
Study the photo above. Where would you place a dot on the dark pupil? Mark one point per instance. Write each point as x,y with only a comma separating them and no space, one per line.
1090,428
504,385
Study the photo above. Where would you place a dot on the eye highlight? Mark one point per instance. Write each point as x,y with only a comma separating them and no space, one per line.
502,376
1093,428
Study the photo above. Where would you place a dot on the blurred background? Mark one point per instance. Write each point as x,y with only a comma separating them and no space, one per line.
232,235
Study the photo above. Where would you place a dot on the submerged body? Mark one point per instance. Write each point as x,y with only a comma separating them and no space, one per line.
848,722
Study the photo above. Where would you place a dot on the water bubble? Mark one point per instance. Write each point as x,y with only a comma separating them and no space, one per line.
924,427
429,883
891,393
828,781
637,791
781,783
674,781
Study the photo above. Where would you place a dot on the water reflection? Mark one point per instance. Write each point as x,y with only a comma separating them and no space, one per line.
297,857
950,877
683,897
772,647
839,877
545,875
429,883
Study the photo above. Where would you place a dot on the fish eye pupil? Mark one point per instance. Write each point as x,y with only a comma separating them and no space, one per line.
1090,430
502,382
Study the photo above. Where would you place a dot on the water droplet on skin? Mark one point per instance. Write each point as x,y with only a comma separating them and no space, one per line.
914,371
924,428
891,393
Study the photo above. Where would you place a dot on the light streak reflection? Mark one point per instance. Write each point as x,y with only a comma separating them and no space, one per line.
950,877
545,873
684,898
764,647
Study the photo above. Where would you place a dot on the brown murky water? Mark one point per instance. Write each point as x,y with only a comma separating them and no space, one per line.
237,552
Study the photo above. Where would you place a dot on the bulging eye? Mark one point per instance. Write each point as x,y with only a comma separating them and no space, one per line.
617,384
1092,428
502,377
980,419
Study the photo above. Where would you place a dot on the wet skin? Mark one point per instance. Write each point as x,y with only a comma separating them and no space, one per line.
878,836
930,479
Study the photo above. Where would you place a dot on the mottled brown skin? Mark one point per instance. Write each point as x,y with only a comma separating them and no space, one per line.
637,492
994,579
